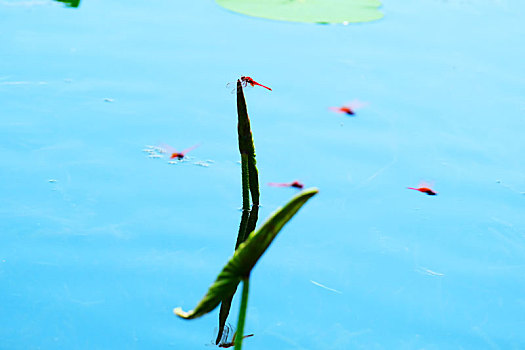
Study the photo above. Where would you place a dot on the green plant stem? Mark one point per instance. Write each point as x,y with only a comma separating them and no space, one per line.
245,182
253,178
242,313
247,148
252,221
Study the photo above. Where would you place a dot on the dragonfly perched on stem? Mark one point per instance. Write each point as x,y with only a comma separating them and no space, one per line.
225,342
173,153
295,184
349,108
245,81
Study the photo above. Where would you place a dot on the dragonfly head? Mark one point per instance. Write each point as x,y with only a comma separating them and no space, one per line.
297,184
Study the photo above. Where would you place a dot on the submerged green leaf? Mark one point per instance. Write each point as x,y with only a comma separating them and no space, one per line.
247,225
311,11
246,256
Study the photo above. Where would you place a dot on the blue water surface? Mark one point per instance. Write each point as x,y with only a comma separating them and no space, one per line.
99,241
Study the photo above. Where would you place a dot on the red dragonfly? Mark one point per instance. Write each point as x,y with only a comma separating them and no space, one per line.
424,188
174,154
349,108
295,184
246,81
225,343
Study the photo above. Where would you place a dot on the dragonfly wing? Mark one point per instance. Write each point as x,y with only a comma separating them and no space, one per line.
335,109
277,184
356,104
428,184
167,148
232,86
189,149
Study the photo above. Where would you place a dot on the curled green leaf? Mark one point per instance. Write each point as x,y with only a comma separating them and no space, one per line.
246,256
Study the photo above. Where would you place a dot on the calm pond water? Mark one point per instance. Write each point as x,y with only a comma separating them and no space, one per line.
99,241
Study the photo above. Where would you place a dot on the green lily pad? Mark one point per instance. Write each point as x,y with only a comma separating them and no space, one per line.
311,11
70,3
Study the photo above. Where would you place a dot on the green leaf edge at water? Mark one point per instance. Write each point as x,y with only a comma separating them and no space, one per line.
308,11
246,256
